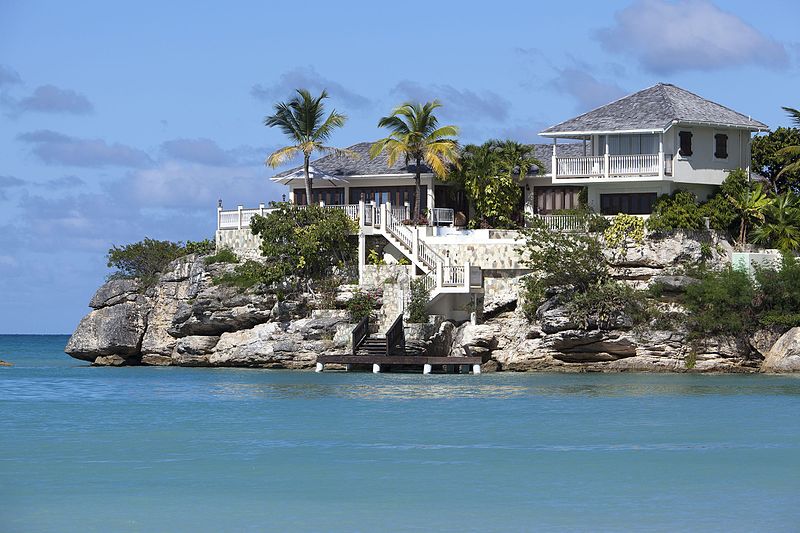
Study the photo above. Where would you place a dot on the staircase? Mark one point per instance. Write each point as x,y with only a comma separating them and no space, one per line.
439,277
394,343
372,346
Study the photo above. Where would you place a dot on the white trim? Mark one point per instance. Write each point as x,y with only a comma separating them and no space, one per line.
601,132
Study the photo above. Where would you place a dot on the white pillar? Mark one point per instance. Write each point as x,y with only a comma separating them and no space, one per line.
476,369
320,367
239,209
661,155
431,200
362,254
606,157
554,160
361,213
467,266
219,216
376,368
261,207
426,368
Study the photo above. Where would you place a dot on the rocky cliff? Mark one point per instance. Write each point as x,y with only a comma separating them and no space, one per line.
185,319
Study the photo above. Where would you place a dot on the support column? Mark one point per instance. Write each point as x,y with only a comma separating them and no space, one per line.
554,162
376,368
661,155
431,200
426,368
476,369
320,367
362,255
239,209
606,158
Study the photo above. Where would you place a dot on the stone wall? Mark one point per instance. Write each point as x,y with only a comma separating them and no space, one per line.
394,281
241,241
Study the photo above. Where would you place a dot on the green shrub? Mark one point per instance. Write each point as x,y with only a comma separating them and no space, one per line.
606,303
361,305
533,295
403,261
418,306
225,255
144,259
779,293
247,274
624,228
676,212
204,247
375,258
720,303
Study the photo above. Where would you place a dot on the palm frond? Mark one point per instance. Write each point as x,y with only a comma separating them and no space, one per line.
283,155
794,114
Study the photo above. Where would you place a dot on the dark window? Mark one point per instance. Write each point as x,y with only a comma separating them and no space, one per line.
396,195
638,203
721,146
550,199
686,143
331,196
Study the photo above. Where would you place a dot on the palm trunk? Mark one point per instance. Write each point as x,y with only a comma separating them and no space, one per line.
417,193
742,232
309,199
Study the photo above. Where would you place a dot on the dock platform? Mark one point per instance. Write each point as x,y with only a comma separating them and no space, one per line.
426,362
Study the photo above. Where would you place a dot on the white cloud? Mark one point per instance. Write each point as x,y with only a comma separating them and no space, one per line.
307,78
588,91
52,99
667,37
55,148
457,104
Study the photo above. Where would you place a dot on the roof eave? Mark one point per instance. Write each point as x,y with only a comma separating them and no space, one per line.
599,132
750,127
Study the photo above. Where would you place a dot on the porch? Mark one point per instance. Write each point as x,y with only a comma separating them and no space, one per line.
609,166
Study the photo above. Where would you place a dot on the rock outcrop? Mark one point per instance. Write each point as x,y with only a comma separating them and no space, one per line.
784,356
186,319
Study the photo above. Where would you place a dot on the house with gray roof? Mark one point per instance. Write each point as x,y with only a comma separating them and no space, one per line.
649,143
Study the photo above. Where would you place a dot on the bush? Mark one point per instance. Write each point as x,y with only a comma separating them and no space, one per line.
204,247
418,306
375,258
361,306
607,305
225,255
676,212
624,229
720,303
246,275
310,243
144,259
779,293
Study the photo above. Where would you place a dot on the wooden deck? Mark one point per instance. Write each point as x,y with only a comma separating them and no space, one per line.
377,361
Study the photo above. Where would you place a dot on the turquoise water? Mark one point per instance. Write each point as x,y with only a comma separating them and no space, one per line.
180,449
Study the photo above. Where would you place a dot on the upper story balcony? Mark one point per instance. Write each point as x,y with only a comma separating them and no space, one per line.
613,166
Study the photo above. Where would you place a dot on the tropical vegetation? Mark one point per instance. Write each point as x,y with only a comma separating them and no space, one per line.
416,136
302,119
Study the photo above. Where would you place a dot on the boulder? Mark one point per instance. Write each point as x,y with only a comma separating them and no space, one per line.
217,309
554,317
784,356
115,330
156,360
109,360
674,284
581,346
115,292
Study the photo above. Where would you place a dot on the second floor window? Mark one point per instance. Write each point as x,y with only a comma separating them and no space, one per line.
721,146
685,143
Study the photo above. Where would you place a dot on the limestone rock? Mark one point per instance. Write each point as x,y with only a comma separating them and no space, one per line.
109,360
784,356
156,360
196,345
114,292
216,309
580,346
115,330
554,317
764,339
675,284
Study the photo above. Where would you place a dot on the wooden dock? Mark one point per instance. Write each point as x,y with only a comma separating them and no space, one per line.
379,361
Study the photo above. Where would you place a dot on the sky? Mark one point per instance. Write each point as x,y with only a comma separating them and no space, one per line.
120,121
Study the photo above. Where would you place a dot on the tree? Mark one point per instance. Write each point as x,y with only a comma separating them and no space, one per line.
416,136
768,160
781,227
490,174
301,120
143,260
750,206
304,244
790,155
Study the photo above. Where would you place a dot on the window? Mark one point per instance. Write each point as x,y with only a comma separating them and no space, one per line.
721,146
629,144
640,203
331,196
685,143
551,199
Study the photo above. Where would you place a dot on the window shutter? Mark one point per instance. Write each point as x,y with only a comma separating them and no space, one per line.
685,143
721,146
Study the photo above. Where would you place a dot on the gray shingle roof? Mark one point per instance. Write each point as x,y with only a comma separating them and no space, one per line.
342,166
655,108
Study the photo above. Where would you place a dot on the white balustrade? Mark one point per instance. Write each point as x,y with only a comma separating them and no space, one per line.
580,166
618,165
442,216
563,222
453,276
635,164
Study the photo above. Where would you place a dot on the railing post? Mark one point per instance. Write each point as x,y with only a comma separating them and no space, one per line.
219,216
466,275
661,156
555,160
239,209
361,213
388,213
408,209
261,207
382,211
322,203
439,279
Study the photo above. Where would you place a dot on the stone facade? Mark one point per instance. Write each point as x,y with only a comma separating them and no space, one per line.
241,241
394,282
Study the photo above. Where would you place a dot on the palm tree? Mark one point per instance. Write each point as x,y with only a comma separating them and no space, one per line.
750,205
781,227
301,120
791,154
416,136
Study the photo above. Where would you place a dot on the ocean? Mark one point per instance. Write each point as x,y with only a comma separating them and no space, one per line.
189,449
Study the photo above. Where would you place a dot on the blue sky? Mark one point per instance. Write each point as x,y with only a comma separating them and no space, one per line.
119,121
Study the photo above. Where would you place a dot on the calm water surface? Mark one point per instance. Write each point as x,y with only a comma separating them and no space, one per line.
179,449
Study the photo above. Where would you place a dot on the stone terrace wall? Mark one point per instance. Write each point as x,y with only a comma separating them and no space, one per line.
241,241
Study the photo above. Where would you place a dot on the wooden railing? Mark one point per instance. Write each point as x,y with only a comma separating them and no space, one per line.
396,337
580,166
635,164
360,332
563,222
453,276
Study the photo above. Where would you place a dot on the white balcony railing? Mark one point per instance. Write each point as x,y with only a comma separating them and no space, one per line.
612,166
